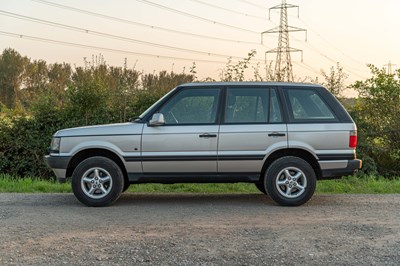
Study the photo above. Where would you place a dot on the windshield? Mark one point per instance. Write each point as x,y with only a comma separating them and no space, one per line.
154,104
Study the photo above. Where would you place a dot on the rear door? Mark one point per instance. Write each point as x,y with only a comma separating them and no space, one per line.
252,127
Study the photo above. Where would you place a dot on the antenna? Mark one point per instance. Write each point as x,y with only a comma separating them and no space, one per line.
283,63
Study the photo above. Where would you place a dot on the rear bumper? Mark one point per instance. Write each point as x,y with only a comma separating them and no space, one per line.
352,167
59,165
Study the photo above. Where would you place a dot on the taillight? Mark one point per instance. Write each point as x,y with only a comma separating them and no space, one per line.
353,139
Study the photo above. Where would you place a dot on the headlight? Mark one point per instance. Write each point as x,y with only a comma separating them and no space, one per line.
55,145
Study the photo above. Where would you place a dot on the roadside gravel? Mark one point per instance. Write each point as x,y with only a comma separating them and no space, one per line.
197,229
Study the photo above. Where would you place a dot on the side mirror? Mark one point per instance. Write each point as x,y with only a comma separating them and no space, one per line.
157,120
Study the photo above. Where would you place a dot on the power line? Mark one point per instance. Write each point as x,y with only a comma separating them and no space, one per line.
111,36
253,4
33,38
166,29
334,47
349,69
315,49
228,10
329,43
194,16
103,16
308,67
84,46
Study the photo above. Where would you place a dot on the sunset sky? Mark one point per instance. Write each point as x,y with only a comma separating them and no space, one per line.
353,33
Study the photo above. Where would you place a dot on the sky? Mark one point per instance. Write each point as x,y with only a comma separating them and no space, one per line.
154,35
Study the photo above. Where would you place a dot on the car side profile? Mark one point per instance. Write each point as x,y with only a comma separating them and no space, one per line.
282,137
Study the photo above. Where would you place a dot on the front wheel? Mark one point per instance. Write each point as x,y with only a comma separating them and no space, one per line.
126,186
97,182
290,181
260,186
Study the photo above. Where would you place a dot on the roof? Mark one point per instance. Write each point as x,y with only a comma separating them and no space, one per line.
248,83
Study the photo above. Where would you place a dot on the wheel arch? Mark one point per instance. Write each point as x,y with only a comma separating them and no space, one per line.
300,153
92,152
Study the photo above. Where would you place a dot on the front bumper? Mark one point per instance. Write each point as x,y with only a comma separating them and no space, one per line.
59,165
352,167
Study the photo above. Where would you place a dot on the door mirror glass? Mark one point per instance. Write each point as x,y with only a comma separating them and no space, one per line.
157,120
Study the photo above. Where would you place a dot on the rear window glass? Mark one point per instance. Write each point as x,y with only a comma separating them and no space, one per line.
308,105
252,106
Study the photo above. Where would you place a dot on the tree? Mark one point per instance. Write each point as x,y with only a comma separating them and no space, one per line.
236,72
334,80
88,95
165,81
125,83
377,113
12,67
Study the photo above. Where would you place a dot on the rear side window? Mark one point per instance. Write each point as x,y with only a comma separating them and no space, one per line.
307,105
252,105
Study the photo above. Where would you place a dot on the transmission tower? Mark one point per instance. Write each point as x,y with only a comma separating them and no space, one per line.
390,67
283,63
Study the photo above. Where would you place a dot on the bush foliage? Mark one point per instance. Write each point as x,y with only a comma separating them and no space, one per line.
45,98
37,99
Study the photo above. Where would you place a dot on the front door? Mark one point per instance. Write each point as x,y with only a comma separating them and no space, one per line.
187,142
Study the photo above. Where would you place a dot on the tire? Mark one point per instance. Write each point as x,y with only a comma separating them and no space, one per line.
290,181
97,182
126,186
261,187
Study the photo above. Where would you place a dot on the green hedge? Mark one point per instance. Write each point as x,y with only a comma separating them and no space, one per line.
37,99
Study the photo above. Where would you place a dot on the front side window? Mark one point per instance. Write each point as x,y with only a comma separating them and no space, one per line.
192,106
308,105
252,105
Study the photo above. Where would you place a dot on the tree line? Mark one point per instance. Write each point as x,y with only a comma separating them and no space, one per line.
37,99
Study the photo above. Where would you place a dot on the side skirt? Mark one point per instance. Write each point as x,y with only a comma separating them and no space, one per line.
171,178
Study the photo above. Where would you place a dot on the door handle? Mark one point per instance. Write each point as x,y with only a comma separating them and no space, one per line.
276,134
208,135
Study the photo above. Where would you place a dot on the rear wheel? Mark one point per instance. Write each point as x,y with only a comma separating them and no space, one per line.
290,181
97,182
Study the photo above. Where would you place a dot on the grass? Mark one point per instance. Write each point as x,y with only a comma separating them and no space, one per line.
357,185
31,185
350,185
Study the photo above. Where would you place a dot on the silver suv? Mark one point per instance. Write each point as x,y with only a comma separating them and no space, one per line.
280,136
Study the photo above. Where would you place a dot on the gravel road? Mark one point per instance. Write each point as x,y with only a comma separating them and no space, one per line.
194,229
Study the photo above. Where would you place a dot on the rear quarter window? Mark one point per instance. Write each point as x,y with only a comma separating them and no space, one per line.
307,105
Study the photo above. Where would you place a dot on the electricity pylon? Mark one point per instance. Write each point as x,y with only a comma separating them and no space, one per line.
390,67
283,63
